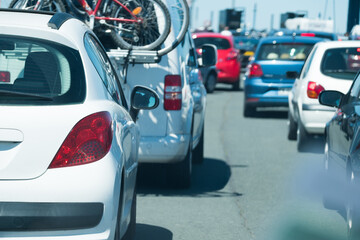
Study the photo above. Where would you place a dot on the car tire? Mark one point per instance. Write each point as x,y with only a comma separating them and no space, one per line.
210,83
249,111
179,174
302,137
198,153
130,232
236,84
292,127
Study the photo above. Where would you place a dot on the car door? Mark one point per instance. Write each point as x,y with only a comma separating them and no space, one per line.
342,126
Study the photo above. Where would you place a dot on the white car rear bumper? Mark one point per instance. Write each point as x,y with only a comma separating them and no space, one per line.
168,149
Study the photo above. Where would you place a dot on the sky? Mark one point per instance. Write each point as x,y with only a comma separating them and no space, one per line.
202,10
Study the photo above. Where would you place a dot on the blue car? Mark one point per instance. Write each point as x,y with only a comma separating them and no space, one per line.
272,72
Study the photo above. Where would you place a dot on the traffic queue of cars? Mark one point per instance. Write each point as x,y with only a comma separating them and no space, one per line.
73,131
317,78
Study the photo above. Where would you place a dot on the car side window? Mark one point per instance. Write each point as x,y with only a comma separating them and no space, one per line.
103,67
188,54
354,94
308,63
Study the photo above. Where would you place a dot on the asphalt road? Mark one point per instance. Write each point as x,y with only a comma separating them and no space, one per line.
253,184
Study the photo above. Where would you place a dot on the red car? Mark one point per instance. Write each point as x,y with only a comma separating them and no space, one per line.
228,61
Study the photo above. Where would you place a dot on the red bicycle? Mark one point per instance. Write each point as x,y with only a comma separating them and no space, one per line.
132,24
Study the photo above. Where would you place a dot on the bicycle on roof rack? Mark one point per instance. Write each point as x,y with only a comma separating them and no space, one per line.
132,24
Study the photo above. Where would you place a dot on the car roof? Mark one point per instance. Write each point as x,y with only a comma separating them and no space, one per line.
288,39
320,34
338,44
211,34
35,24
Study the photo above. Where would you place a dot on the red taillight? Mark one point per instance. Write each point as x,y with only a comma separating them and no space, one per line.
314,90
172,92
88,141
255,70
307,34
232,55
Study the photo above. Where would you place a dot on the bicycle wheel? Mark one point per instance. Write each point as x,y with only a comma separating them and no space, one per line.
180,19
147,34
46,5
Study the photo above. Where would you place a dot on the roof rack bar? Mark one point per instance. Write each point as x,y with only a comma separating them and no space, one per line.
59,19
134,56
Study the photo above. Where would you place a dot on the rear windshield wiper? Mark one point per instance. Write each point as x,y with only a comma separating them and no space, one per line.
23,94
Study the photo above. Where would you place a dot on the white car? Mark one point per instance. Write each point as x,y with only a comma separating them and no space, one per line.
68,143
331,65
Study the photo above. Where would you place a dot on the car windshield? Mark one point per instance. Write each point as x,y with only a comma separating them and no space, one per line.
341,63
245,43
34,71
220,43
284,51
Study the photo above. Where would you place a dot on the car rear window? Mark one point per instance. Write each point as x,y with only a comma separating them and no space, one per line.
220,43
284,51
341,63
39,72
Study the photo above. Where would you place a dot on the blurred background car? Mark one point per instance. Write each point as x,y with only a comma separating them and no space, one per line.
68,138
272,72
304,33
331,66
228,57
247,46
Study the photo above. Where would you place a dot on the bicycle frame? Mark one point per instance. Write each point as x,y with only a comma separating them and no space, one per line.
92,12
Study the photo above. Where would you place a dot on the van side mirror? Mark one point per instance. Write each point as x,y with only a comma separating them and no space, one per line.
208,55
142,98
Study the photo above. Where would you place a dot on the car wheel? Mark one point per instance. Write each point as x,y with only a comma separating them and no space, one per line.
179,174
302,137
352,209
249,111
292,127
210,83
130,232
236,85
198,153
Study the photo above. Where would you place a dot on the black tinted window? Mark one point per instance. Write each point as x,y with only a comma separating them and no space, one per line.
38,72
341,63
220,43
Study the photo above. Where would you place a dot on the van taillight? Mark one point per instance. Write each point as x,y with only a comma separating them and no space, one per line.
88,141
314,89
172,92
254,70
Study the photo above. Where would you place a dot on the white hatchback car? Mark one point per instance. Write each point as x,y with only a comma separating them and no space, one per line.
330,66
68,143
